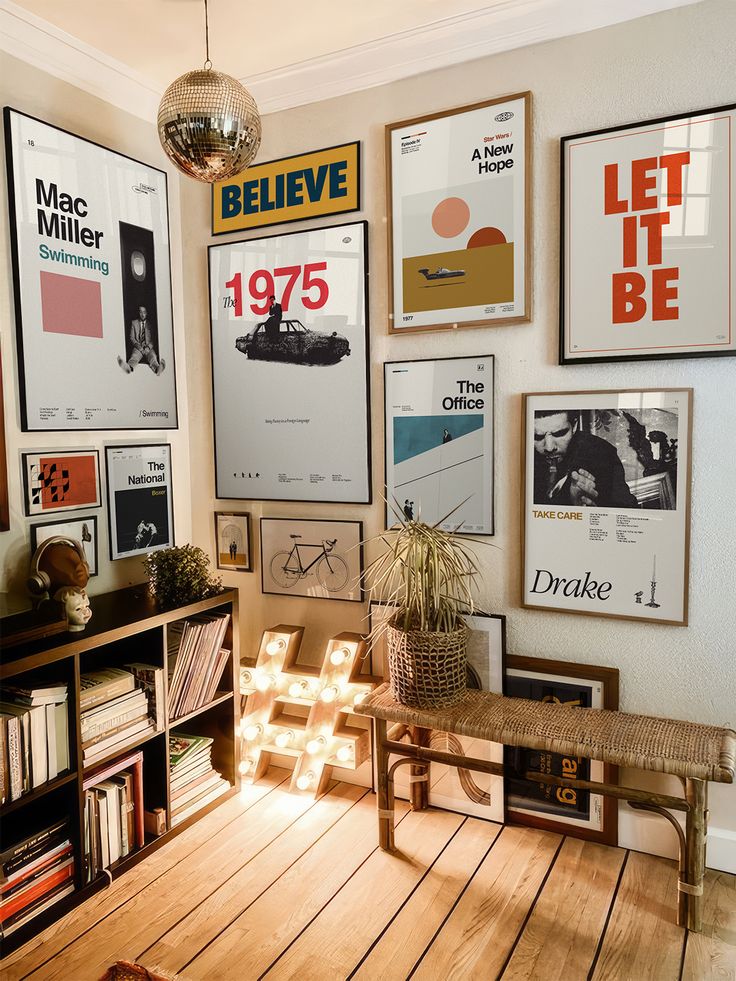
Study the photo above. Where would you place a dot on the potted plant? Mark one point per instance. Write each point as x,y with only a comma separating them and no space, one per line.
180,575
429,574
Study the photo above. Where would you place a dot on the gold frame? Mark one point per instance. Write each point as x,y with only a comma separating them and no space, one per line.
687,504
400,124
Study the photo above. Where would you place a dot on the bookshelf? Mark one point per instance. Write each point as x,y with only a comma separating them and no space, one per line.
127,626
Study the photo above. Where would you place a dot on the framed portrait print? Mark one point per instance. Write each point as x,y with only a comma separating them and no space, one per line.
4,495
139,499
82,530
310,557
467,791
92,283
648,267
232,538
606,503
65,481
439,442
459,203
289,320
569,810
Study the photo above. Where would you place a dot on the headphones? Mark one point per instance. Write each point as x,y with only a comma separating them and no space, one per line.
38,581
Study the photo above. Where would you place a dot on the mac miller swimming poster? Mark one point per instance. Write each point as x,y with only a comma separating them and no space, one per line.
439,442
458,208
90,238
289,364
607,503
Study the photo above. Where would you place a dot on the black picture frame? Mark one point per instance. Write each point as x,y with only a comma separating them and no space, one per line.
61,454
313,560
112,514
234,567
82,519
161,421
565,357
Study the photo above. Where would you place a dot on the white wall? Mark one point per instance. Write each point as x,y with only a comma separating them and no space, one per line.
32,91
669,63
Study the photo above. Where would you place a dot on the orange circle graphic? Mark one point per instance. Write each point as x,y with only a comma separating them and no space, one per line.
450,217
486,236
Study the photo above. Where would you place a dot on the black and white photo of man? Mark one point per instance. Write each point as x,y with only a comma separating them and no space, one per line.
141,341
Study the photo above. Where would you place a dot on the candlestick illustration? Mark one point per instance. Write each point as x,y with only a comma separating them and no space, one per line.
653,584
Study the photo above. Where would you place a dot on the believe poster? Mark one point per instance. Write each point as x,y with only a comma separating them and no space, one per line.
90,237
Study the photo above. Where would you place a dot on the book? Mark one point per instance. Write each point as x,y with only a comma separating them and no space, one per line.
115,742
182,746
124,783
98,687
201,802
32,891
4,769
195,789
41,864
62,737
112,811
12,726
23,760
40,906
108,710
103,825
41,695
22,852
39,747
52,756
151,681
95,737
184,778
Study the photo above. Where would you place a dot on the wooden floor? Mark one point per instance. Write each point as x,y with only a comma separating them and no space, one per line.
273,885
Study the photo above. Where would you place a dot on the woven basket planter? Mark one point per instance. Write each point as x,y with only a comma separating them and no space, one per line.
428,668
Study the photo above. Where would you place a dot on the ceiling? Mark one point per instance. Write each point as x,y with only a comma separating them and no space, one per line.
288,52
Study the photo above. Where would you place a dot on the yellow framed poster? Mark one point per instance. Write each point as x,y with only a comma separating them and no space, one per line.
307,185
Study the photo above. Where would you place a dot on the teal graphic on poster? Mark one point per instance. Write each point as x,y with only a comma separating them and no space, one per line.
418,434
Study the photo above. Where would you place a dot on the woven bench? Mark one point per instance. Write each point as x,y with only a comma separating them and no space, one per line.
695,753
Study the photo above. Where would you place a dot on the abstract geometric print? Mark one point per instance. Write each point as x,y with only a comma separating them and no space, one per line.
49,484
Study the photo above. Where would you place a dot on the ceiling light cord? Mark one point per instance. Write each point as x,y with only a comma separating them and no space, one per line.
208,63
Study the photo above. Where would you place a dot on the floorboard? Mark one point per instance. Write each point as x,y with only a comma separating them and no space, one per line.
711,955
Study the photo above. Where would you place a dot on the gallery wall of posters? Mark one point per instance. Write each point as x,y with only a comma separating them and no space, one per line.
439,442
648,226
289,321
540,805
92,283
139,499
606,503
459,211
60,481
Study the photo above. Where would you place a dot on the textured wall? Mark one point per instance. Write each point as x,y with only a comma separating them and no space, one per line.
668,63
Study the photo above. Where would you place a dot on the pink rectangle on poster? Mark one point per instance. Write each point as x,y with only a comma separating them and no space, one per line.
71,305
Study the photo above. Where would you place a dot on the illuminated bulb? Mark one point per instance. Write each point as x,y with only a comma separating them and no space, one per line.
284,738
344,754
360,698
330,693
275,646
299,689
245,766
246,678
252,732
340,656
304,781
264,682
315,745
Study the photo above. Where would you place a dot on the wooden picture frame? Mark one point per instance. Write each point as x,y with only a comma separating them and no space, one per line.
4,493
328,564
77,528
459,255
567,811
232,528
647,266
601,551
64,480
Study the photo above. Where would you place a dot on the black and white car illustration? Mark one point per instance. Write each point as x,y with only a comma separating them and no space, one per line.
442,273
292,341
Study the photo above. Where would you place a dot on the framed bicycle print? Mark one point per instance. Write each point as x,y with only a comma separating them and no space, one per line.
569,810
232,541
459,210
648,268
82,530
309,557
439,442
289,318
92,283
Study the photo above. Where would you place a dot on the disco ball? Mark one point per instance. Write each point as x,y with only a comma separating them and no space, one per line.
209,125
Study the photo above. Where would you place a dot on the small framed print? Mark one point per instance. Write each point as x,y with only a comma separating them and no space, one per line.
648,267
139,499
439,442
467,791
606,503
310,557
232,541
61,481
4,496
568,810
82,530
459,207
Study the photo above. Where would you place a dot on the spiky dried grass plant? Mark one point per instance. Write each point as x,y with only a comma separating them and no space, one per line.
428,573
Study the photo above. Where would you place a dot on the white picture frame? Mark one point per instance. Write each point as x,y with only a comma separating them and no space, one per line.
139,499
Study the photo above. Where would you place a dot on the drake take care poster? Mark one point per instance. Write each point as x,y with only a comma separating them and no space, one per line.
90,237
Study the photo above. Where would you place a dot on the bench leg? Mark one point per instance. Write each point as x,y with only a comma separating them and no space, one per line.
385,800
695,832
419,772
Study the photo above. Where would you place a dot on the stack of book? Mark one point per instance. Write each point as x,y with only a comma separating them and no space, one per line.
151,680
113,712
194,782
109,822
34,874
34,738
196,661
